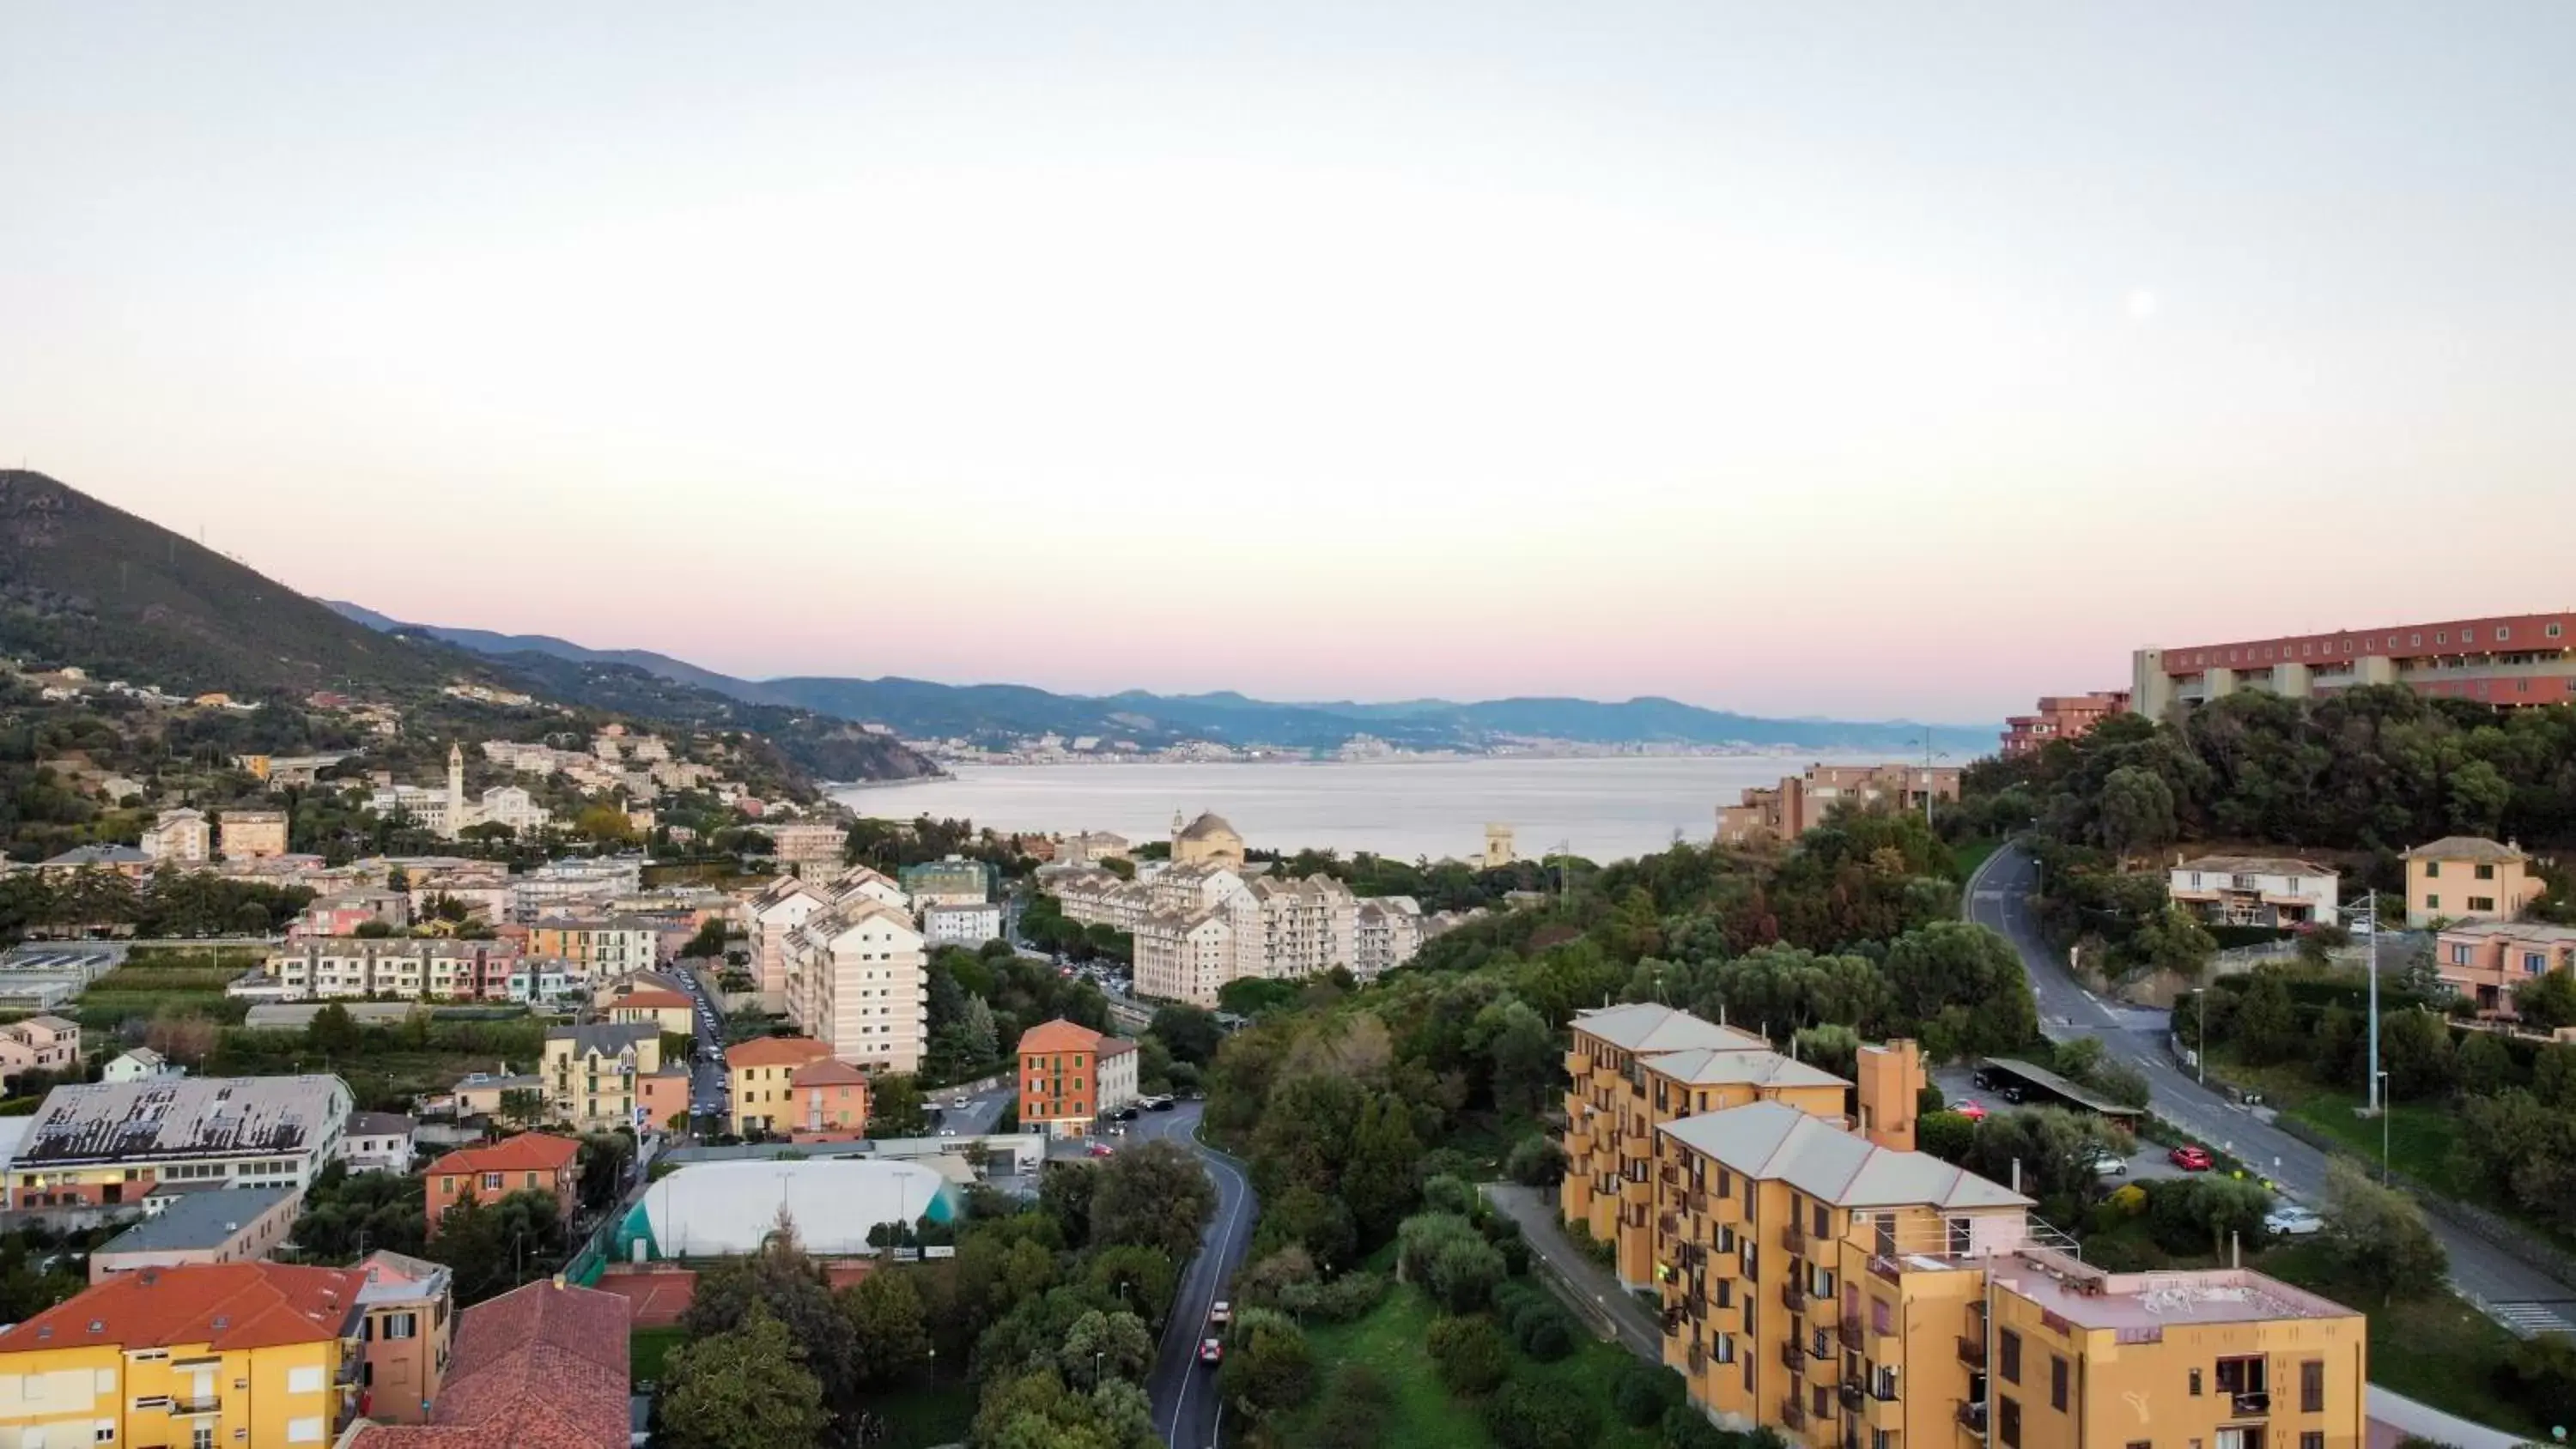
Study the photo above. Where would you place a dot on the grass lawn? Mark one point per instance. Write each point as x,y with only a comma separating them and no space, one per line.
1969,854
2437,1349
1391,1341
647,1347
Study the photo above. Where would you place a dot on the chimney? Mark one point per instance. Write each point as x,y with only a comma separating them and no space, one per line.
1891,1087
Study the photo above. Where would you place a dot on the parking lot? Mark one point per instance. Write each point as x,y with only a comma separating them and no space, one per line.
2148,1161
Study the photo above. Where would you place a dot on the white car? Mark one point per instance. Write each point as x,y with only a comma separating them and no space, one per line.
2290,1220
2110,1164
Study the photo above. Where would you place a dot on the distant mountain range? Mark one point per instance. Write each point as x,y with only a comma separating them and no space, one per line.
84,583
919,709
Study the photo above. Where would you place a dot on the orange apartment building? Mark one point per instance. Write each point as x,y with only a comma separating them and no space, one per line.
529,1162
409,1336
2508,660
827,1101
2060,717
2485,960
1799,803
2468,878
1070,1074
1639,1066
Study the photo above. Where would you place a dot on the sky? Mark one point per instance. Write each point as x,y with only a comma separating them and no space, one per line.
1858,360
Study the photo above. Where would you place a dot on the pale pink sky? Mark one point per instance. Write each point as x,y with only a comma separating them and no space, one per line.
1798,360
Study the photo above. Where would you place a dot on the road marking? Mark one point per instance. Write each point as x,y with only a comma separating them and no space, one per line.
2532,1319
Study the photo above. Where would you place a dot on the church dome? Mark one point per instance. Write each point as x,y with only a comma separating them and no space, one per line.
1209,826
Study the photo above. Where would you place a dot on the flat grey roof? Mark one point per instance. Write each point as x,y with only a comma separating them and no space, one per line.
2083,1096
199,1220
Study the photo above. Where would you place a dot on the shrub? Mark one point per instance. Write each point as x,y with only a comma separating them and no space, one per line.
1536,1162
1687,1428
1643,1393
1344,1299
1453,1264
1548,1337
1537,1416
1449,1195
1516,1256
1469,1354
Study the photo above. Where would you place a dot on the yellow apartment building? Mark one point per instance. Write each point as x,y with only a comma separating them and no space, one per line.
1853,1294
1641,1065
600,1075
198,1357
2468,878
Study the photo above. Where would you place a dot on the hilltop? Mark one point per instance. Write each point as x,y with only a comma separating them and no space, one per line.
921,709
84,583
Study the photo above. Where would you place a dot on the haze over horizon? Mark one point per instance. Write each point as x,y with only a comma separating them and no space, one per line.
1818,361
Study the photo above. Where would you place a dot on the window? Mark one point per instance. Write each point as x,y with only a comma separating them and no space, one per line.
2503,632
2459,954
2140,1444
1880,1316
304,1431
2432,903
202,1436
2482,903
2008,1354
2533,963
2486,872
2057,1383
2008,1422
2312,1440
2195,1383
105,1433
2312,1386
2550,630
304,1380
1824,1221
401,1325
2432,868
491,1182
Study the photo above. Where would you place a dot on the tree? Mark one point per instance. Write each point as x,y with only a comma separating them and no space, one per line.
607,824
1932,969
333,1031
1065,1193
888,1340
743,1389
1536,1161
2379,1235
1269,1370
1450,1259
2137,810
1191,1032
1377,1181
2415,1051
2485,1067
2266,1028
520,1106
600,1168
2173,939
492,1248
896,1107
1528,1415
1140,1279
1470,1354
2546,1001
1154,1196
709,942
1356,1403
1119,1340
779,1278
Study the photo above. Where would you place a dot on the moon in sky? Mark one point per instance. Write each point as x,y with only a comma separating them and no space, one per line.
2142,305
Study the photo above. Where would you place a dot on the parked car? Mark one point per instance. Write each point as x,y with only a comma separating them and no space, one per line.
2191,1158
1211,1350
1156,1104
2110,1164
2290,1220
1125,1114
1969,1108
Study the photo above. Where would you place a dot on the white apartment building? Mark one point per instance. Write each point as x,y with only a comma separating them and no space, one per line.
770,918
858,981
322,968
954,925
1118,1061
1186,958
179,837
1307,926
1385,932
108,1143
1094,896
2248,890
558,884
809,848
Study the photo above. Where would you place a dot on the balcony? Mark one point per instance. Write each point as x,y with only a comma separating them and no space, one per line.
2253,1405
1673,1322
1793,1415
1697,1202
1972,1351
1697,1358
1793,1356
1849,1331
1576,1065
1635,1147
191,1406
1972,1416
1794,1238
1793,1295
1669,1225
1851,1396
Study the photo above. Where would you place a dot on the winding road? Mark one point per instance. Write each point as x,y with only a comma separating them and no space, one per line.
1998,897
1184,1391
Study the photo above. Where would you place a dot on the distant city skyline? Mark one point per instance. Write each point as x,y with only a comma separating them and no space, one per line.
1860,362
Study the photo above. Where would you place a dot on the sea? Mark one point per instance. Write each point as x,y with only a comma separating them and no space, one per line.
1603,809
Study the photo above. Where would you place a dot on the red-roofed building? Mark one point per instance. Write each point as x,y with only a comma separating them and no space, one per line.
540,1367
667,1010
529,1162
762,1073
254,1353
827,1102
1070,1075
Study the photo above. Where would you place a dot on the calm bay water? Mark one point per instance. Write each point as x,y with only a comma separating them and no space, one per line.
1606,809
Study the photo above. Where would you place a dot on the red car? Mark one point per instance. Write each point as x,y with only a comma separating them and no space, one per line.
1211,1350
2190,1159
1101,1149
1969,1108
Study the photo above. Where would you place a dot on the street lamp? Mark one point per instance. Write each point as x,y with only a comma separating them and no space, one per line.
1095,1370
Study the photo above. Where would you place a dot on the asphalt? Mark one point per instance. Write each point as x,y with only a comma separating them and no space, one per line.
707,1083
2520,1297
1187,1407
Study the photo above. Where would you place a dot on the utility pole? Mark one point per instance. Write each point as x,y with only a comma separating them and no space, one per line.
2370,923
1927,773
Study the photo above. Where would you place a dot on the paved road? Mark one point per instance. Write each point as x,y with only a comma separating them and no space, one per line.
707,1086
1998,898
1186,1404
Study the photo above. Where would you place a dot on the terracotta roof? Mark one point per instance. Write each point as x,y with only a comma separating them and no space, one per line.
1058,1035
1111,1046
2466,847
776,1051
527,1152
540,1367
224,1305
827,1073
657,1000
